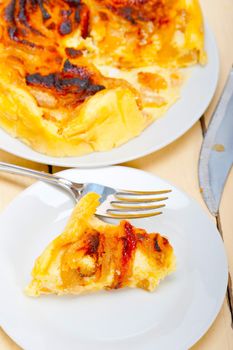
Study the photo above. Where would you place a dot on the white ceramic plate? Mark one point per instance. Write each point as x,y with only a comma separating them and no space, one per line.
196,96
173,317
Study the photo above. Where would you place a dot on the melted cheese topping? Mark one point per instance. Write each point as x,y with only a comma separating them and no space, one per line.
133,33
159,87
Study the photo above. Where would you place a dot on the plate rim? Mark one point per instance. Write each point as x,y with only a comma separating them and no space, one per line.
69,161
214,313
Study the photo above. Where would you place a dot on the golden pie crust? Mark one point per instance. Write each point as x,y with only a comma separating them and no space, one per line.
71,71
91,255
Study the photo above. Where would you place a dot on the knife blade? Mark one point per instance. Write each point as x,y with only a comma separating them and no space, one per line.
216,156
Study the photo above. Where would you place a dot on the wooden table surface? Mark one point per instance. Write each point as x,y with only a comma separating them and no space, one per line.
176,163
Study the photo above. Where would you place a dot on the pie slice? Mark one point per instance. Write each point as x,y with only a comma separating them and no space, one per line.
91,255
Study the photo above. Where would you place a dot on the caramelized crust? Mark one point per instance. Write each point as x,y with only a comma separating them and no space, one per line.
29,21
137,11
127,33
54,94
33,34
72,85
91,255
136,33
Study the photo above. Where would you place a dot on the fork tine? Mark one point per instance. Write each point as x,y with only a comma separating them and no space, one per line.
135,209
139,200
143,193
121,215
125,206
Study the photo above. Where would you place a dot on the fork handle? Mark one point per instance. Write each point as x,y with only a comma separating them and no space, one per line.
40,175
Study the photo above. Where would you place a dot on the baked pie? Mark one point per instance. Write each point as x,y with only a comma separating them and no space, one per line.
91,255
78,76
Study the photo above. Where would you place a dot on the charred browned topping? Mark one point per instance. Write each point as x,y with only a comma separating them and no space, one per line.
44,12
141,236
32,18
16,9
10,12
77,15
113,250
63,84
36,26
156,244
135,11
15,36
71,68
93,242
85,18
47,81
65,26
71,80
103,16
129,244
128,13
73,2
12,15
74,269
51,26
73,53
22,12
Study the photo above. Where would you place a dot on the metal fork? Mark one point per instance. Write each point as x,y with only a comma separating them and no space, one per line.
114,203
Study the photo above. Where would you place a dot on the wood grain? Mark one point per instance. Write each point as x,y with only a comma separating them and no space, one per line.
219,15
11,185
177,162
226,222
220,335
6,343
220,18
